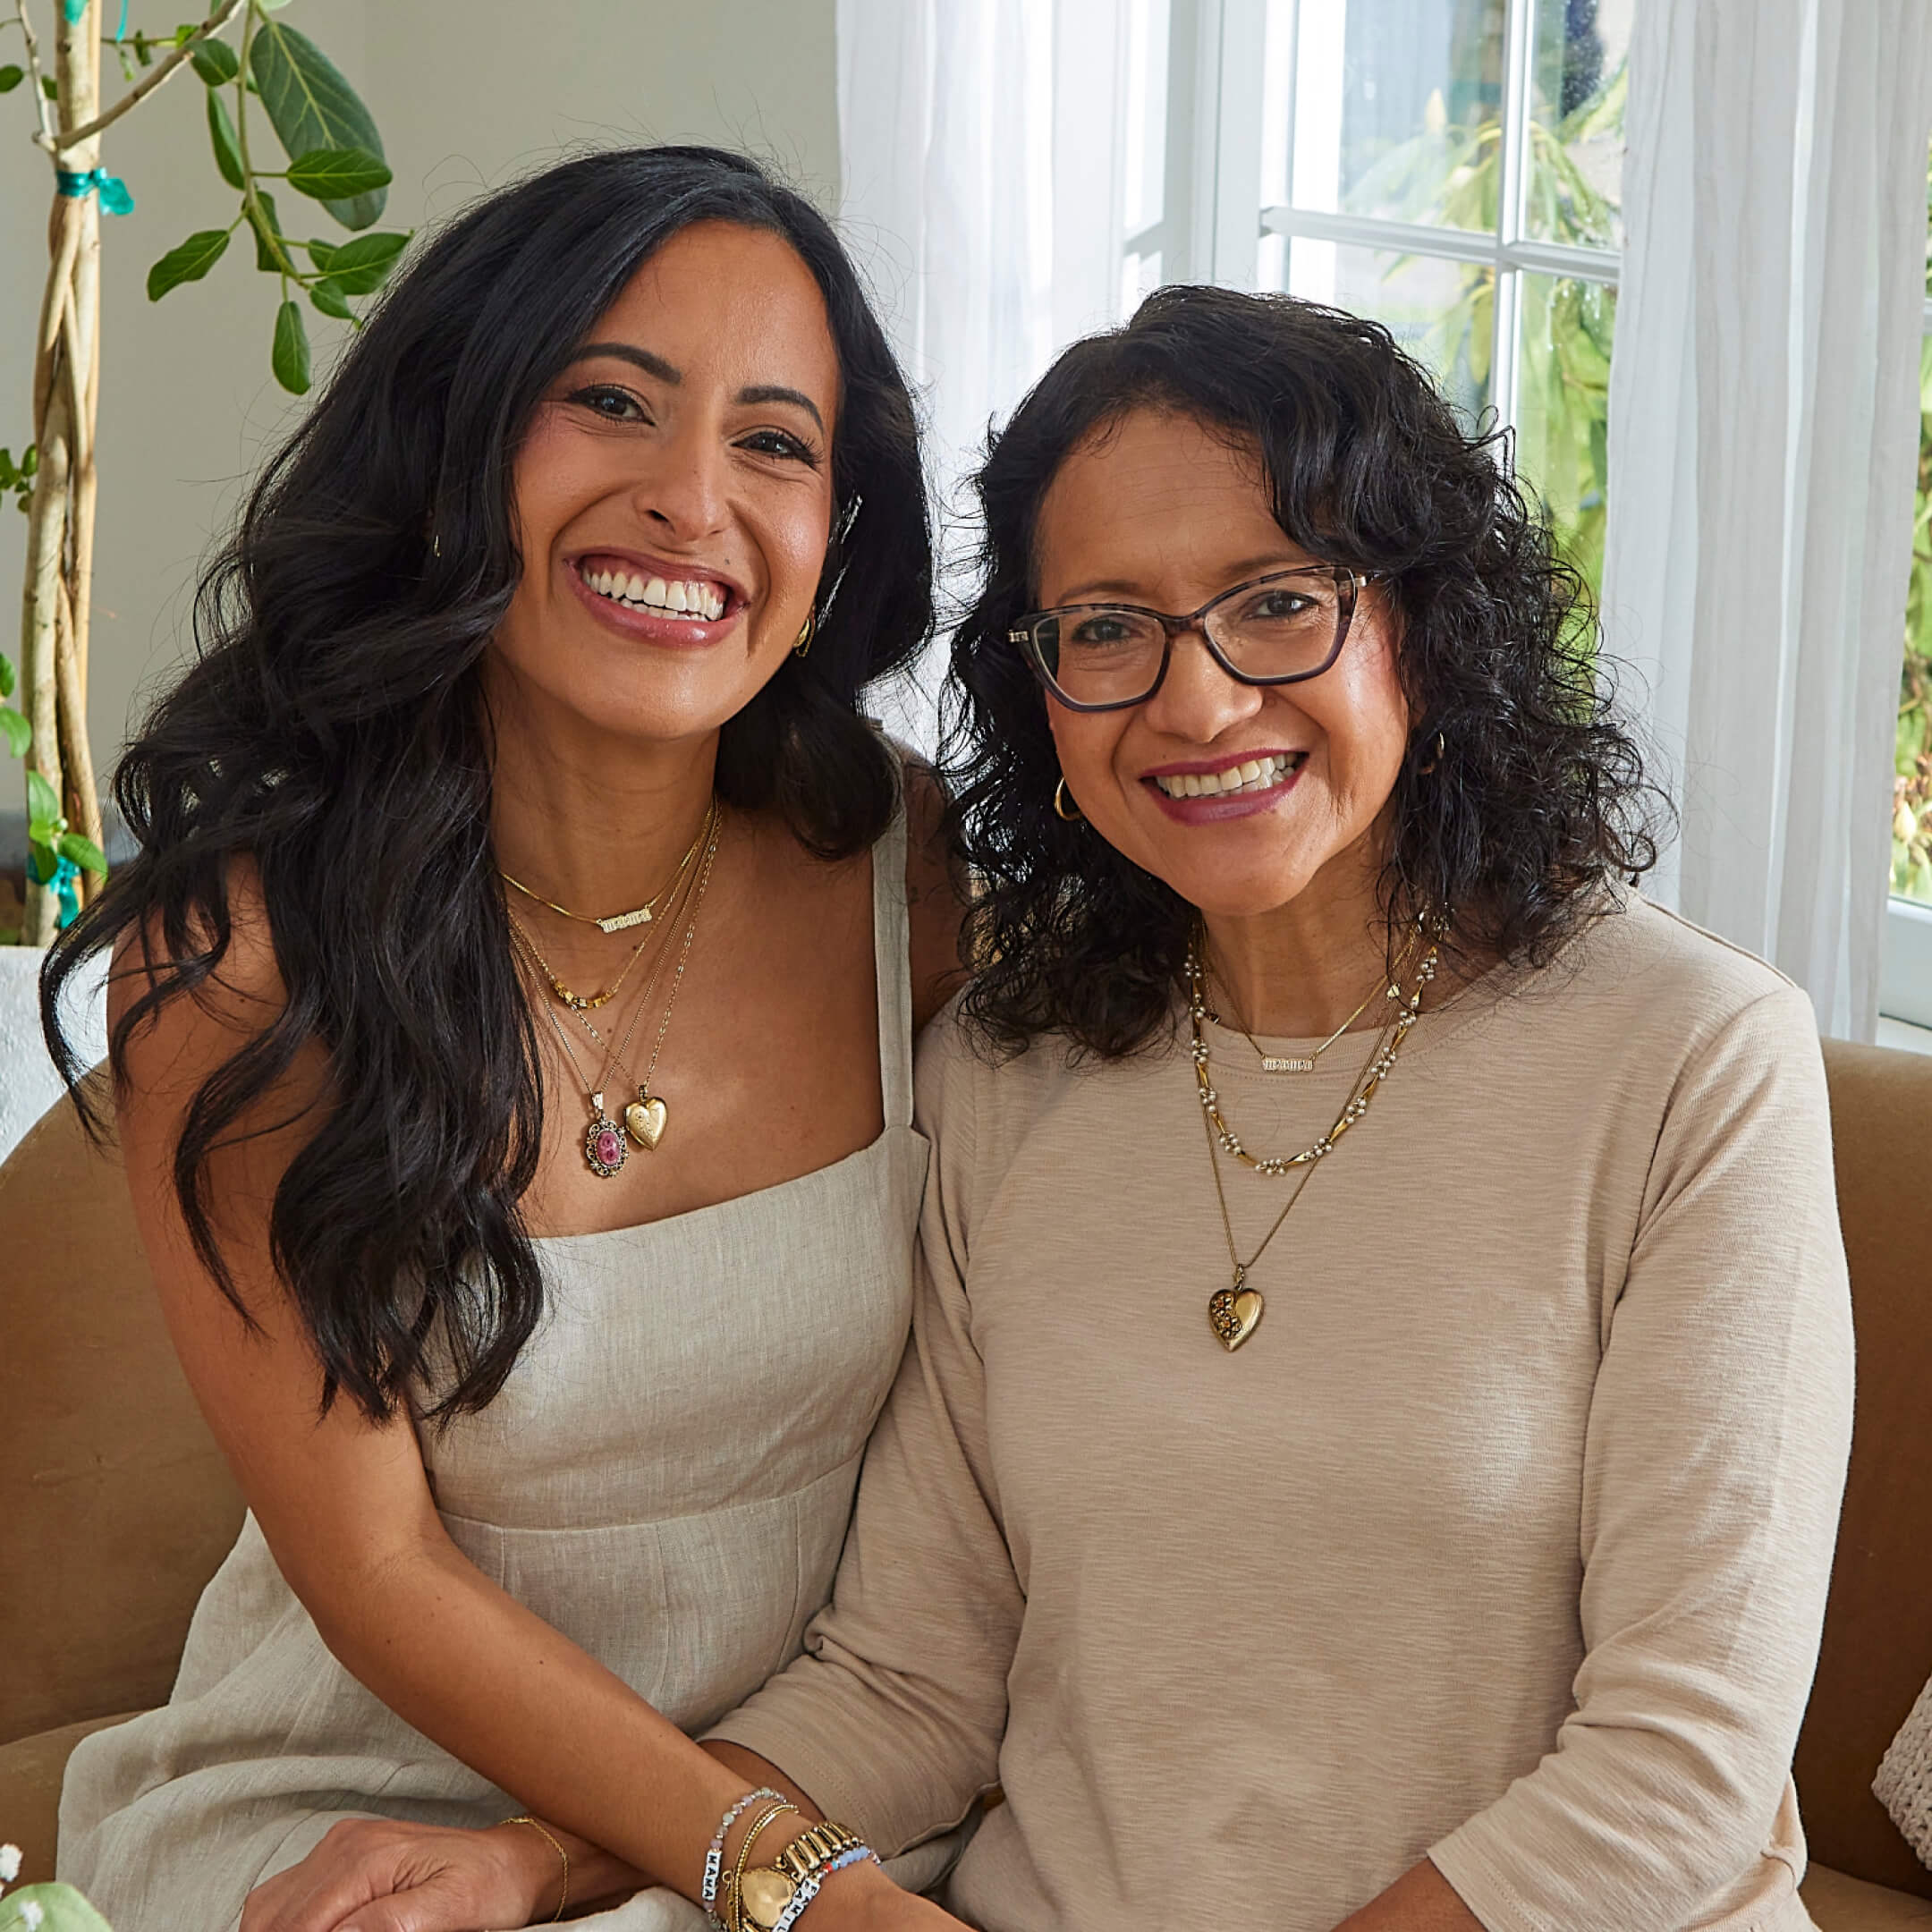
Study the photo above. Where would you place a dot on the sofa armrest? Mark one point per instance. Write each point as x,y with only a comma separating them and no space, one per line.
31,1773
1840,1904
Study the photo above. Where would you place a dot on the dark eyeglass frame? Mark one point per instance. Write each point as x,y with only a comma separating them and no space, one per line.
1349,586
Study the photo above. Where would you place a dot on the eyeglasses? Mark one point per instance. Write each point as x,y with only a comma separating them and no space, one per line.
1273,629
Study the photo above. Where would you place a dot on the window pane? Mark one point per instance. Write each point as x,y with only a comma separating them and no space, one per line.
1145,162
1397,107
1576,135
1443,312
1911,813
1562,409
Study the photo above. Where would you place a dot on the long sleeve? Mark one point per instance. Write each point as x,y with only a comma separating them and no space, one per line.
1713,1462
892,1718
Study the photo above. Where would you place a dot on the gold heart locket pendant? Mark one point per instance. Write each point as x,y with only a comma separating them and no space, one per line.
646,1117
1234,1314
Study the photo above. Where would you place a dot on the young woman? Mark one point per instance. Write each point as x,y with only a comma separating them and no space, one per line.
1380,1383
511,1023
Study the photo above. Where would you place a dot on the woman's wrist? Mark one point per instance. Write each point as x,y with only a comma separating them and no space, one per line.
541,1856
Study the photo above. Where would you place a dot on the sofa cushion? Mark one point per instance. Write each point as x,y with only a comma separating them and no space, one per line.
1841,1904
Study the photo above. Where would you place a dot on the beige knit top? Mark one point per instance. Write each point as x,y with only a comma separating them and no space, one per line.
1504,1539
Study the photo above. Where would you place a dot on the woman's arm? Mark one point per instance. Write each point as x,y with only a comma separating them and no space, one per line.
1713,1462
343,1502
893,1718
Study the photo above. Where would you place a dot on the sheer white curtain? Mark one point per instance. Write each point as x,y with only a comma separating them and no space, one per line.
1763,436
976,142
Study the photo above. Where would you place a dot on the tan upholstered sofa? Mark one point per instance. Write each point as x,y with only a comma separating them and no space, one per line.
115,1507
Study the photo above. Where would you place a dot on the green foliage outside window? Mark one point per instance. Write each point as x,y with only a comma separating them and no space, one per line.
1912,793
1452,176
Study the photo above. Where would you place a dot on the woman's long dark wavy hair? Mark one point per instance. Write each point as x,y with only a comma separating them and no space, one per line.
1537,796
332,731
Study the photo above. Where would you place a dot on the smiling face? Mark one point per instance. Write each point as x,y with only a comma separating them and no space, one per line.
1241,797
673,493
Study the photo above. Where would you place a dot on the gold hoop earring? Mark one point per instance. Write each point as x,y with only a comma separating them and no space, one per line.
1441,749
807,630
1062,799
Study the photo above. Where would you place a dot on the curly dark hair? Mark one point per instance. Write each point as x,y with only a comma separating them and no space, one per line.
332,729
1539,796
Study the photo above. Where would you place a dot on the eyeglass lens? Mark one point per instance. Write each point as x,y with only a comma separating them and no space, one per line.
1107,653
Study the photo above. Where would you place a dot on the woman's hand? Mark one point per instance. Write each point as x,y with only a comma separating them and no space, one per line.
374,1875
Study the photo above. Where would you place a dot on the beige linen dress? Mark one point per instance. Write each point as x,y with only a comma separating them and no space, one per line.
666,1487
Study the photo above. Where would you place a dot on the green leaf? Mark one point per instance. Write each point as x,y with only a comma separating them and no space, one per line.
312,106
361,267
227,148
62,1908
321,253
17,732
43,807
215,62
337,174
268,255
10,78
48,88
84,853
6,675
29,462
188,263
327,296
41,861
291,357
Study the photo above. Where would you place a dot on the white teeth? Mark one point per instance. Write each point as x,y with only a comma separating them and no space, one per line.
704,601
1251,774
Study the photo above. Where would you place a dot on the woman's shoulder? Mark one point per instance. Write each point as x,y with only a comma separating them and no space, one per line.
1636,959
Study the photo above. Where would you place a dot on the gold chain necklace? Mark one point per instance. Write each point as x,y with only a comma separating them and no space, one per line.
1305,1063
613,923
647,1116
1235,1312
581,1002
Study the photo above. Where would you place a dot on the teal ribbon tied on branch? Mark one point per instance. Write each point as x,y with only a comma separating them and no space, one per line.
73,10
66,872
113,193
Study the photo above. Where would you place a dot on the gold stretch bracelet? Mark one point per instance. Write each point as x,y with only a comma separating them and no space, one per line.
544,1833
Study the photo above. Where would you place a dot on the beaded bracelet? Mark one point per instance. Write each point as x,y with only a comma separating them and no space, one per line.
714,1859
809,1891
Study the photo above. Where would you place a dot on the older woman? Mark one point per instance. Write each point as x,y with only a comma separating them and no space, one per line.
1380,1381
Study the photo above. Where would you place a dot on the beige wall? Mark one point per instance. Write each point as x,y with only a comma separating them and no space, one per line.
466,98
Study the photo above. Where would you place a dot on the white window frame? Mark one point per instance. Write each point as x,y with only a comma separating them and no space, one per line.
1212,221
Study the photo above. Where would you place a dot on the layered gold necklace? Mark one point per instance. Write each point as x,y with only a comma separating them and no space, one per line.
615,922
1235,1312
582,1003
647,1117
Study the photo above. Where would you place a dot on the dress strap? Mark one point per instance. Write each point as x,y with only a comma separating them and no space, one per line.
892,963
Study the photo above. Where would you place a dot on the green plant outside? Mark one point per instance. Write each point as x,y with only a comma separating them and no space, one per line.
1912,795
1452,176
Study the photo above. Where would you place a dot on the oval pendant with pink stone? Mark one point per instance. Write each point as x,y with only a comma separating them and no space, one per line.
604,1141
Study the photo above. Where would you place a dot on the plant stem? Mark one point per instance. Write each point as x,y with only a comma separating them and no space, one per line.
251,200
147,84
41,103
